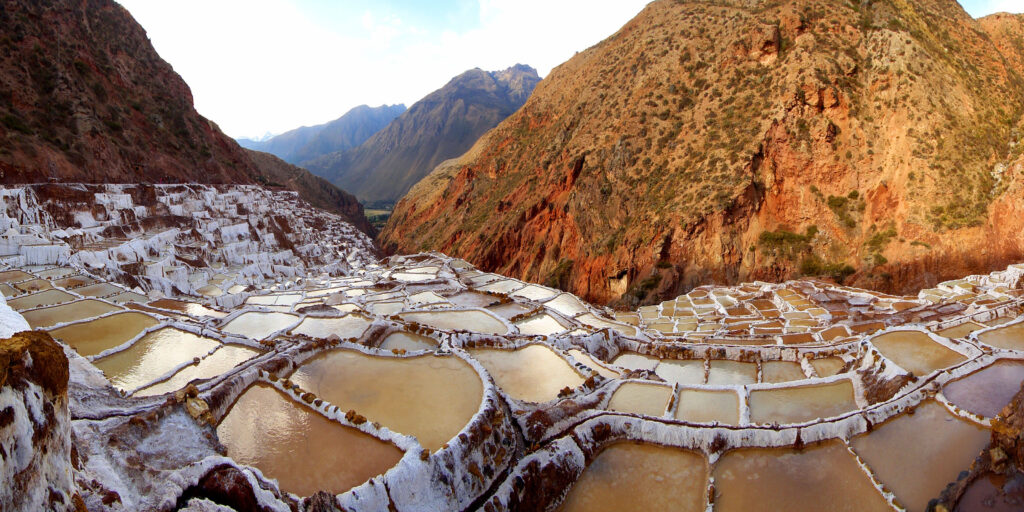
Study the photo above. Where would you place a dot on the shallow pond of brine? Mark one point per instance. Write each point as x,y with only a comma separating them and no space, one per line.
259,325
70,312
631,476
152,356
303,450
798,404
95,336
821,477
533,373
917,455
986,391
430,397
916,352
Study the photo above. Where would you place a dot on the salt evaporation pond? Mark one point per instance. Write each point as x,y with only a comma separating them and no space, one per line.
798,404
916,352
189,308
781,371
567,305
635,361
986,391
828,366
348,326
430,397
454,320
99,290
732,372
601,369
95,336
916,455
1009,337
152,356
259,325
533,373
632,476
470,299
821,477
708,406
223,359
960,331
407,341
14,276
641,398
45,298
684,372
540,325
302,449
70,312
34,285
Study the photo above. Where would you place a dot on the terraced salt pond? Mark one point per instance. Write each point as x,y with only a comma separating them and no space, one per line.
534,373
99,290
543,324
302,449
348,326
641,398
455,320
708,406
70,312
95,336
154,355
407,341
986,391
600,368
821,477
630,476
1008,337
430,397
916,352
916,455
798,404
259,325
44,298
222,360
189,308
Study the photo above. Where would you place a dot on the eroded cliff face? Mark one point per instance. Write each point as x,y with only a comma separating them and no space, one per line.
874,144
35,426
84,97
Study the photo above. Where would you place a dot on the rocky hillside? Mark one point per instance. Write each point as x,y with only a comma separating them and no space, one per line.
346,132
85,97
273,172
442,125
1007,32
874,143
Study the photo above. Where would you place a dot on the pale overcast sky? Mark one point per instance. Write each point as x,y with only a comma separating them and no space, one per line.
258,66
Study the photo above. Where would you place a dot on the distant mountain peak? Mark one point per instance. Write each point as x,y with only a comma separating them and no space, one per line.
442,125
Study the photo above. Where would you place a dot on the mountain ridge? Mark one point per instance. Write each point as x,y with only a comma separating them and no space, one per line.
718,142
309,142
442,125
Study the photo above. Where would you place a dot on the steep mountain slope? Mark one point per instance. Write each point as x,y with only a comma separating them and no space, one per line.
271,171
1007,32
442,125
345,132
873,142
85,97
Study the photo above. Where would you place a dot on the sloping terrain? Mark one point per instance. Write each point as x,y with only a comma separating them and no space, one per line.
345,132
271,171
85,97
876,143
442,125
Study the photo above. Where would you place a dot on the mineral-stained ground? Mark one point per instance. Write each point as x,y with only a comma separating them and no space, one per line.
225,347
